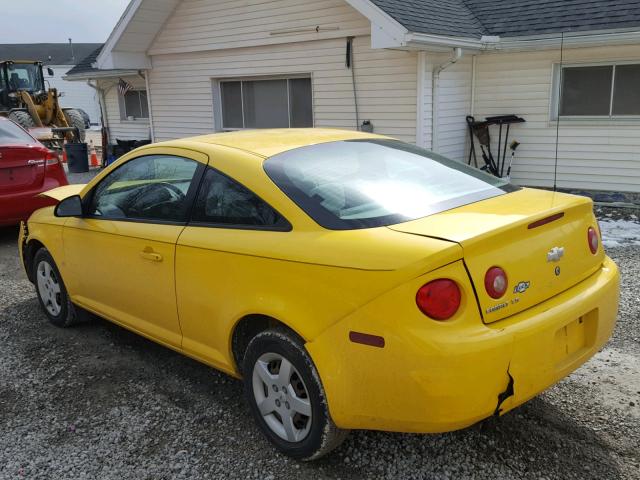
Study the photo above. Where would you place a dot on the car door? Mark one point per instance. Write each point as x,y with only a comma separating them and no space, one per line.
122,251
213,269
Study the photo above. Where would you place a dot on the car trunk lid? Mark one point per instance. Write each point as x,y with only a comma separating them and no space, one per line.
22,167
538,237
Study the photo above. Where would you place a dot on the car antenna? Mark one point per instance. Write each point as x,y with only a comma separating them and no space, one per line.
555,167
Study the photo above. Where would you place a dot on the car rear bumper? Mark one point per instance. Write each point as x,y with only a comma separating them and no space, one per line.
445,377
16,207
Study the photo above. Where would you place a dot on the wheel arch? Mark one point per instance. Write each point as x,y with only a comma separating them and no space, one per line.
31,247
246,328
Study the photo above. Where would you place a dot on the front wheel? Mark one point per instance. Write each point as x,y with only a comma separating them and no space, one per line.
51,291
286,397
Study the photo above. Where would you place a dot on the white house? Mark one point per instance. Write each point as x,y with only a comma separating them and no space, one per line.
417,69
125,115
60,57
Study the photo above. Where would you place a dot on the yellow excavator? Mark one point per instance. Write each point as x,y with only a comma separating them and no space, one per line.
25,100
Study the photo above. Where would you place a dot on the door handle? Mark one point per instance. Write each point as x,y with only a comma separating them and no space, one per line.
149,254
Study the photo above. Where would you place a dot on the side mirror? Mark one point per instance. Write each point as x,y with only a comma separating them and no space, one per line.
69,207
50,71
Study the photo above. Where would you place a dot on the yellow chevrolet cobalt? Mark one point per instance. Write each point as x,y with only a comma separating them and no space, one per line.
351,280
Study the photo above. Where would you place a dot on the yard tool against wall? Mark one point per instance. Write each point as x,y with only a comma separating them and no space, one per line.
493,165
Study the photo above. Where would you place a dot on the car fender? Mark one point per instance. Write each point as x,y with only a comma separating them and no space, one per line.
45,229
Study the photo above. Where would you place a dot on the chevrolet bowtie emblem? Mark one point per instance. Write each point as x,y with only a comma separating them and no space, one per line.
555,254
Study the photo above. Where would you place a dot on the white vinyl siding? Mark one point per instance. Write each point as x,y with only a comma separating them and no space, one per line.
454,104
182,85
120,127
592,154
200,25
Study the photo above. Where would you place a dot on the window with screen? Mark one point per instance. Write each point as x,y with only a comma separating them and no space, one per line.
135,104
224,202
600,91
269,103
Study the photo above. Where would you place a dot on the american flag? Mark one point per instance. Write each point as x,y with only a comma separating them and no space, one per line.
124,87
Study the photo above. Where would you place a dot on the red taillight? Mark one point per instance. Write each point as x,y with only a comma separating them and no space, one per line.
439,299
592,238
51,158
495,282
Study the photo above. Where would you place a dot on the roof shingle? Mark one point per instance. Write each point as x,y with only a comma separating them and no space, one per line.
511,18
85,65
48,53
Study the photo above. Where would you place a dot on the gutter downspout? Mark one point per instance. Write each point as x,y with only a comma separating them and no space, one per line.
456,55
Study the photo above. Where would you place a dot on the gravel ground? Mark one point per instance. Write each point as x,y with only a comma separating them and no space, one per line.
99,402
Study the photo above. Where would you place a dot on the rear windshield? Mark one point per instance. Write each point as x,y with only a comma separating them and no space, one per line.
370,183
11,134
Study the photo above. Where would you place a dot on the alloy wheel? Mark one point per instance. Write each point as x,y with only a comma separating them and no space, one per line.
282,397
49,288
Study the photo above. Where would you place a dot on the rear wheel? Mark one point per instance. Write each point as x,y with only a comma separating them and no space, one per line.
286,397
51,291
75,119
22,118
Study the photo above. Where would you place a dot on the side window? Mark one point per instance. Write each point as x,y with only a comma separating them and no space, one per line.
223,201
152,187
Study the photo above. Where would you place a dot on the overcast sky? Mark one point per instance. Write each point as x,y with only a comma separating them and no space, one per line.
55,21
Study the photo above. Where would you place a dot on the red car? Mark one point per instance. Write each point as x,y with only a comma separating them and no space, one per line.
27,168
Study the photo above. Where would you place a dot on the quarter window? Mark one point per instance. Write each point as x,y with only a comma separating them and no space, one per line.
151,188
600,91
277,103
223,201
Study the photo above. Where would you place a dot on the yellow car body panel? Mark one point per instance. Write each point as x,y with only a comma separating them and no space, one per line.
60,193
124,281
267,143
441,376
225,275
496,233
430,376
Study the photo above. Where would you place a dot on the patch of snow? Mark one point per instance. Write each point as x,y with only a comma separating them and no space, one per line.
619,233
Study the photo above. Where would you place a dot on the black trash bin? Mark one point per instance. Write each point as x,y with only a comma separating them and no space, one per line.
77,157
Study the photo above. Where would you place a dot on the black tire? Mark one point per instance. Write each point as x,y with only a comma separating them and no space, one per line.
85,117
322,435
75,119
22,118
59,310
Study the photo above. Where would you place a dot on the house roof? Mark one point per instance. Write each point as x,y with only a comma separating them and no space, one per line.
86,64
85,69
511,18
436,17
48,53
428,24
